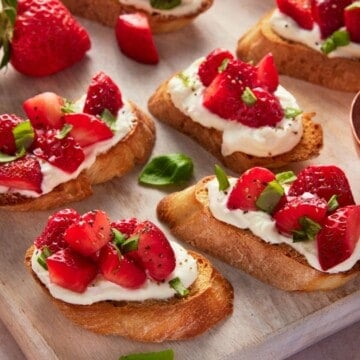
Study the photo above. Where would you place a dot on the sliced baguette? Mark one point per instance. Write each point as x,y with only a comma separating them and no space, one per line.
188,216
133,149
107,12
297,60
210,300
161,106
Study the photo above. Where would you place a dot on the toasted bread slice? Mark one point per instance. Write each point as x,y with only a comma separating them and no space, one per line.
107,12
210,300
188,216
297,60
161,106
133,149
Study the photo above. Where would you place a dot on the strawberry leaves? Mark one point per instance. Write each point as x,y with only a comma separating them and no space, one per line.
7,23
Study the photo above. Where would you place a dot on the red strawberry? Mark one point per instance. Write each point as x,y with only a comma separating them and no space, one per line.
7,140
155,251
329,15
90,233
287,218
324,181
209,68
267,73
126,226
248,188
24,174
102,94
134,37
53,234
46,38
352,21
44,110
338,237
120,270
64,153
70,270
299,11
87,129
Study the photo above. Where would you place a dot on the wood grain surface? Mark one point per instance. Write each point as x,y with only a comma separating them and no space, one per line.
267,323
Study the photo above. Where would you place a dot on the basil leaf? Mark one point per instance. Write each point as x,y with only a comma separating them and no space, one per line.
309,229
171,169
186,80
109,119
270,197
158,355
179,287
24,135
248,97
45,253
285,177
291,113
223,65
63,133
164,4
333,203
221,178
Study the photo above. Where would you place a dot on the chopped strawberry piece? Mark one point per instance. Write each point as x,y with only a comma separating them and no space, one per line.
53,234
248,188
44,110
287,219
267,73
23,174
88,129
155,251
352,21
134,37
209,68
337,239
70,270
66,154
125,226
299,11
324,181
329,15
102,94
120,270
7,140
90,233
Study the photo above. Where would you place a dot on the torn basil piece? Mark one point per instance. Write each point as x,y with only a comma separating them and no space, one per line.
270,196
221,178
109,119
164,4
45,253
158,355
63,133
248,97
24,135
309,230
333,203
179,287
285,177
291,113
223,65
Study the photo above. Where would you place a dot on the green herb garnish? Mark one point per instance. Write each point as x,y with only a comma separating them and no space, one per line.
270,196
333,203
291,113
130,244
221,178
64,132
248,97
119,237
158,355
308,231
285,177
164,4
338,38
109,119
179,287
24,135
223,65
68,107
185,79
45,253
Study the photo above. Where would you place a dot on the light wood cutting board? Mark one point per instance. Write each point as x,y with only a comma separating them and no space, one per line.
267,323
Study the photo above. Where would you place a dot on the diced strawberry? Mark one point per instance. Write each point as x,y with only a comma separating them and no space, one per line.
44,110
324,181
287,219
134,37
120,270
88,129
248,188
70,270
267,73
338,237
298,10
352,21
90,233
64,153
23,174
266,111
7,140
102,94
155,251
209,68
125,226
329,15
53,234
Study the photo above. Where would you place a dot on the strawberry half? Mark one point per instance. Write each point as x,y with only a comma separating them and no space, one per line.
299,11
87,129
135,39
324,181
24,174
46,37
337,239
44,110
120,270
267,73
352,21
7,140
210,67
90,233
102,94
70,270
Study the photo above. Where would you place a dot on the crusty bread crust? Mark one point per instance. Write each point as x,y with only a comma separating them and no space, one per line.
188,216
134,149
210,301
161,106
297,60
107,12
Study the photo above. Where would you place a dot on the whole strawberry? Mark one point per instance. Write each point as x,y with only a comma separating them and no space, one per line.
40,37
